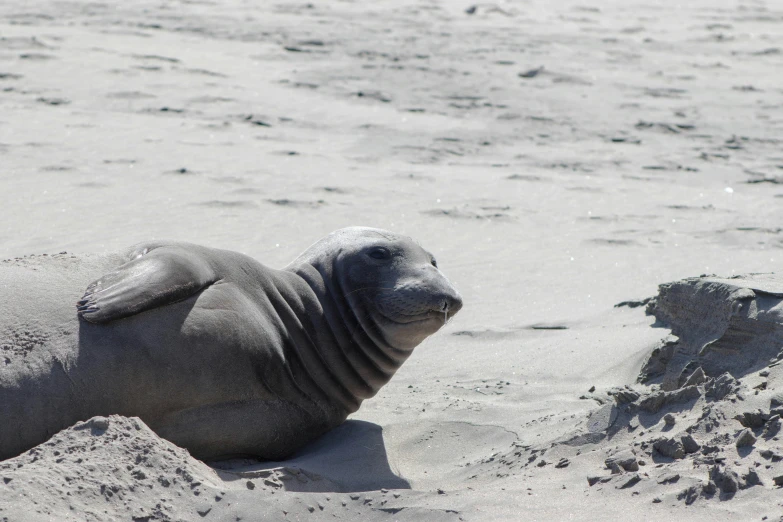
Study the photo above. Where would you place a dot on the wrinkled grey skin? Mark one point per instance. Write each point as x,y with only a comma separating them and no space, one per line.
214,351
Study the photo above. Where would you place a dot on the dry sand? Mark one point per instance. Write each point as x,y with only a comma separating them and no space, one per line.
558,158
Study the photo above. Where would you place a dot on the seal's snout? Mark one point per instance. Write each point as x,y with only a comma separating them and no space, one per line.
451,303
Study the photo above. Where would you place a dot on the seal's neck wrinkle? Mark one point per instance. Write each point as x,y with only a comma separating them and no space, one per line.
385,358
352,351
365,348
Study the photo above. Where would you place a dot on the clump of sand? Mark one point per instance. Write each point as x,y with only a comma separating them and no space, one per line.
704,419
108,468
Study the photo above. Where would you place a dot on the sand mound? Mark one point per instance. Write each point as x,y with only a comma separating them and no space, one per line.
722,325
107,469
706,422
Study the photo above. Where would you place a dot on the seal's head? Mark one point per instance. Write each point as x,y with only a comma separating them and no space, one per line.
390,284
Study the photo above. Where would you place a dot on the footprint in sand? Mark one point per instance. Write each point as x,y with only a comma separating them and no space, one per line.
292,203
224,204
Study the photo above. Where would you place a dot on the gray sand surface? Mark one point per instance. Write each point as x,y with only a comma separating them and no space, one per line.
558,158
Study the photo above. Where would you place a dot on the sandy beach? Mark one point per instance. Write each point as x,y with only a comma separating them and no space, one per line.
557,158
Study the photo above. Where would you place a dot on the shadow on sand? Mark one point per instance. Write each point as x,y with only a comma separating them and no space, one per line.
351,457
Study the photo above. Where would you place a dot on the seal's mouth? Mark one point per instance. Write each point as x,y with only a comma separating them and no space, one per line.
416,319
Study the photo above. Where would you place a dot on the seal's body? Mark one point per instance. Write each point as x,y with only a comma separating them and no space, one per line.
213,350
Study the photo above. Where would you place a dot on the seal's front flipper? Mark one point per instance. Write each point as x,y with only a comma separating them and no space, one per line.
155,276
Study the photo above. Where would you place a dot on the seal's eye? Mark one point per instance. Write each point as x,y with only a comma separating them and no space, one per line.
379,253
434,263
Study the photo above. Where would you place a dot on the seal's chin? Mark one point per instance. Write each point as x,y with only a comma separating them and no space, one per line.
406,332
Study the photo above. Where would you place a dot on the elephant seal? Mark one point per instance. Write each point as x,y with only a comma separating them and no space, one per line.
214,351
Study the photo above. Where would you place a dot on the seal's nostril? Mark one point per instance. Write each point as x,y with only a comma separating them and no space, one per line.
447,303
454,303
